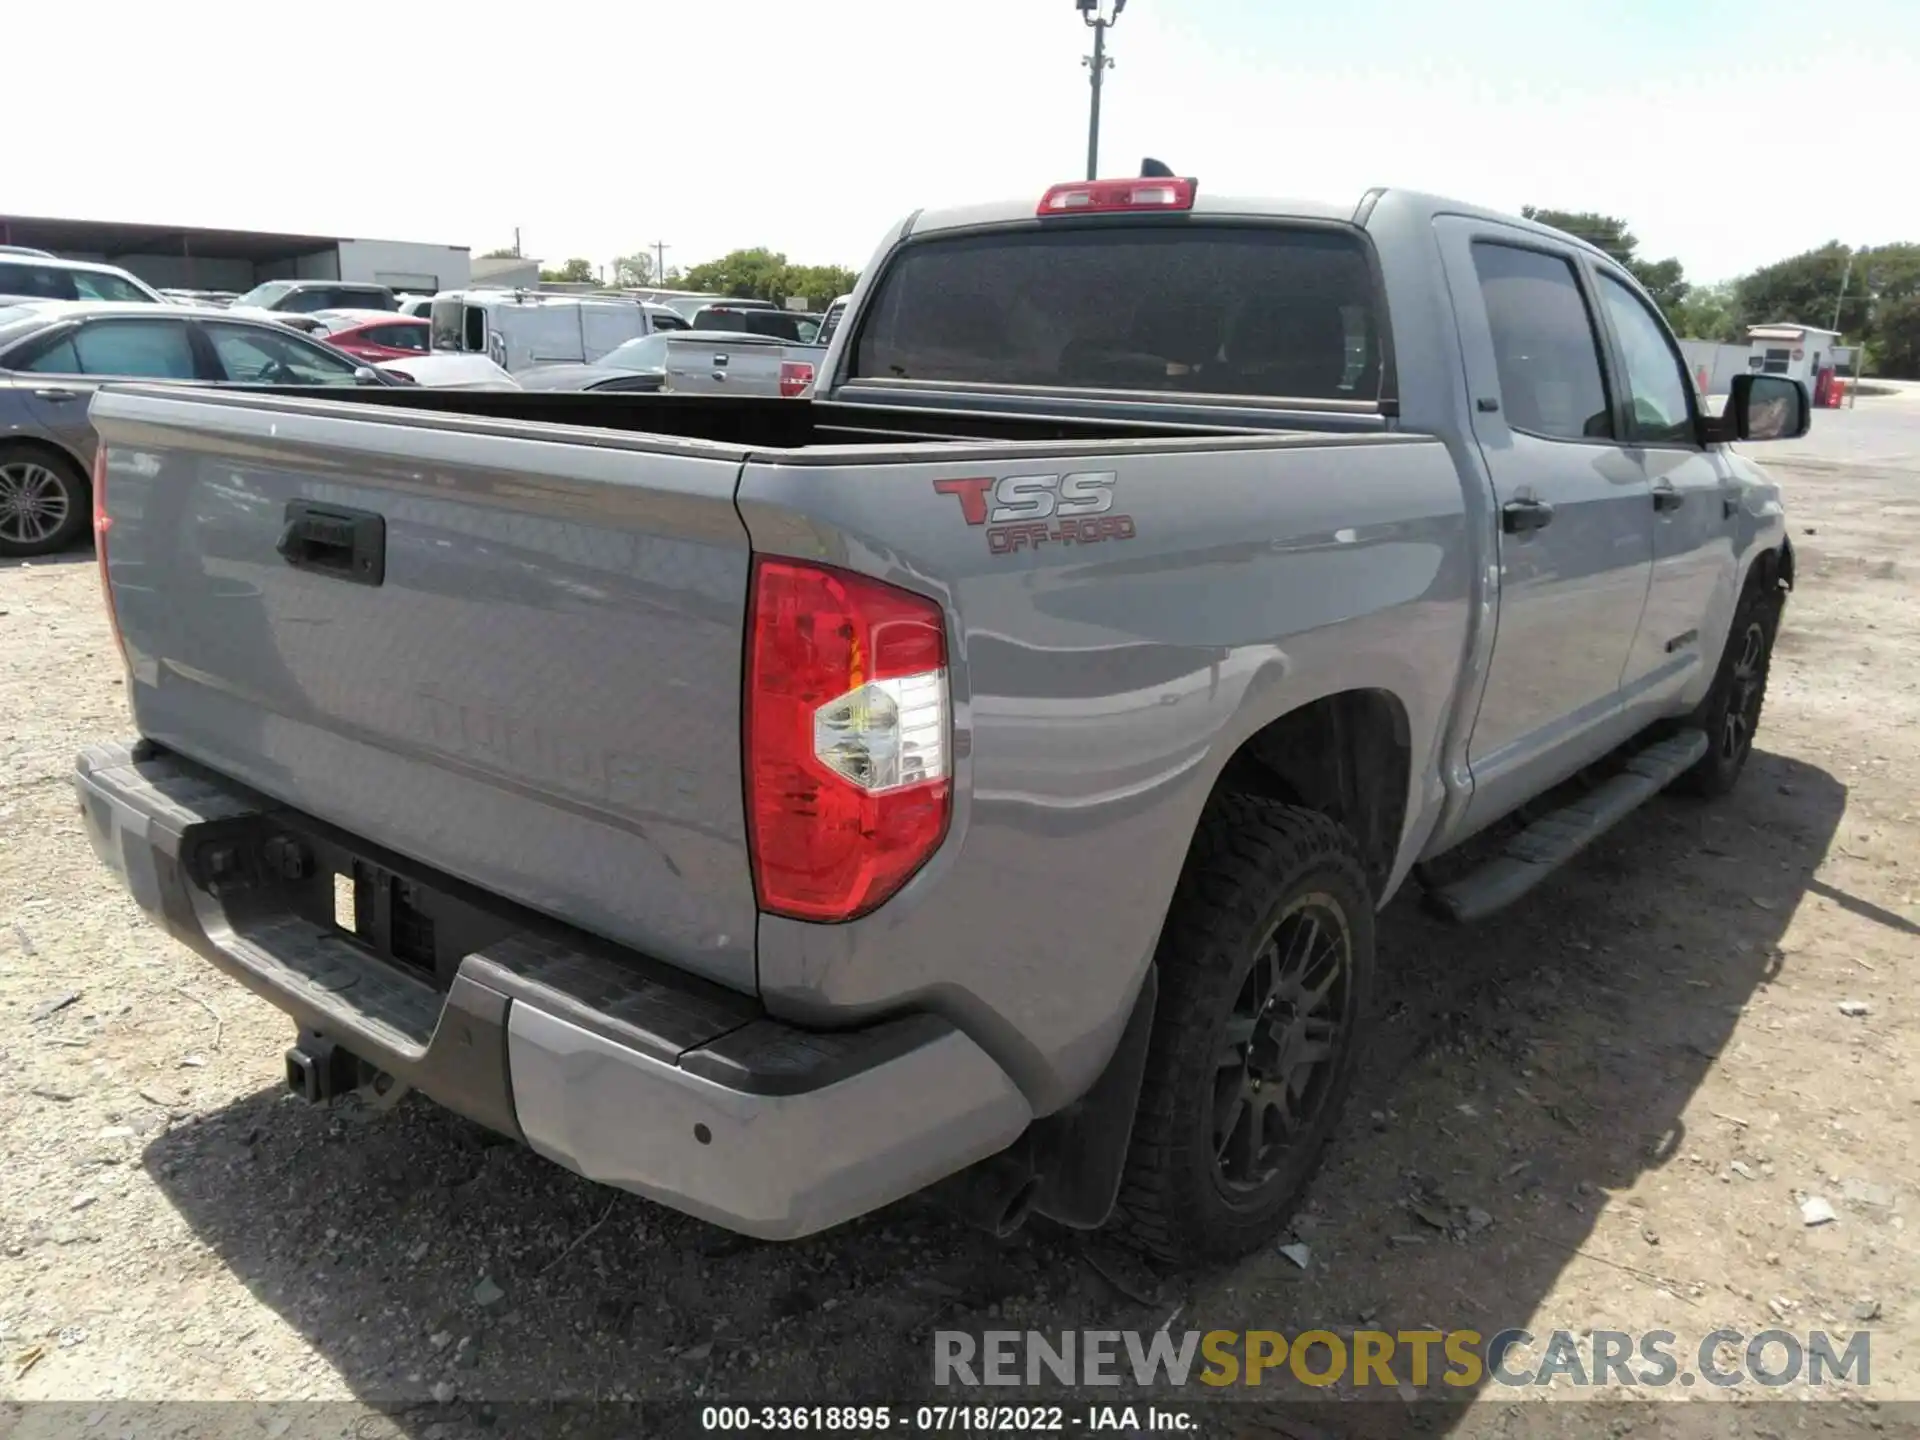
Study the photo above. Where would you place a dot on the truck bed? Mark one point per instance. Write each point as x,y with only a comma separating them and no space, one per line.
757,422
531,681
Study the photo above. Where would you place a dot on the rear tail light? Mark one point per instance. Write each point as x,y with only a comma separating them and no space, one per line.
795,377
848,779
102,523
1097,197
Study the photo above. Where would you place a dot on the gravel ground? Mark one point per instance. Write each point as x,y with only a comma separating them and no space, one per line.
1603,1109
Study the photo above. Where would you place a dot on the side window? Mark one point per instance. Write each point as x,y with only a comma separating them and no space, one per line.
58,358
1656,385
261,357
400,337
36,282
305,302
102,285
144,349
1544,344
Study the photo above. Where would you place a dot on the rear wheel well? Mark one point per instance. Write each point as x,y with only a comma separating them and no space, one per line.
1347,756
47,448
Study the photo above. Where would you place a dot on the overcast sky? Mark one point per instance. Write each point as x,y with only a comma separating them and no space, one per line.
1727,132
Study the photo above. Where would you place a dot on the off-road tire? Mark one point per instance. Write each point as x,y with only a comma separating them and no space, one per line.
1253,862
1730,713
41,476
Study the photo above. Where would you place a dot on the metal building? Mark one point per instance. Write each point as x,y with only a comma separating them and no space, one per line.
189,258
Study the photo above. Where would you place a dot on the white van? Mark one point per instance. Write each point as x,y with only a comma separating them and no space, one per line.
519,329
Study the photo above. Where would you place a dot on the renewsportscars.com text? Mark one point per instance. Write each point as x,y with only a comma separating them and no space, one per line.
1458,1359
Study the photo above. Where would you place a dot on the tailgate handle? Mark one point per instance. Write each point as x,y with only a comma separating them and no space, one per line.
332,540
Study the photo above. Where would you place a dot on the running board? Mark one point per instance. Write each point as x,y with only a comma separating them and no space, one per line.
1552,840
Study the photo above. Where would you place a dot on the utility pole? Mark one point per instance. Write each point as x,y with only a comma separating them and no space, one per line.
660,248
516,242
1840,299
1097,64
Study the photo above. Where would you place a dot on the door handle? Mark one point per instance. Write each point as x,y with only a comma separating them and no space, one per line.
1517,517
56,395
345,544
1666,498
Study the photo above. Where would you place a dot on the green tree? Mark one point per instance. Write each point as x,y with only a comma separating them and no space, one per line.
1805,288
1709,313
1896,338
821,284
507,253
757,274
576,271
635,269
1664,280
763,274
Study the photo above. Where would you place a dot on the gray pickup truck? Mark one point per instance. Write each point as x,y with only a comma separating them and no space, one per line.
981,777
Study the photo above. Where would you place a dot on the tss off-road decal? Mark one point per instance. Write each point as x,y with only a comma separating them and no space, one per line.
1027,511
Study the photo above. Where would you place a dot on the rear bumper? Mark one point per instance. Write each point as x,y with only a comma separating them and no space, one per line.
622,1069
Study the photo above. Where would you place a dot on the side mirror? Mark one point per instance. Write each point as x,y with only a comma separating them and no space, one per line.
366,375
1766,407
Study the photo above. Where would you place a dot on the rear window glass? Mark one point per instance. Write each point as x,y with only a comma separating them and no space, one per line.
775,323
444,317
1268,311
36,282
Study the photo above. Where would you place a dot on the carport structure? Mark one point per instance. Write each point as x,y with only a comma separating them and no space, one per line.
193,258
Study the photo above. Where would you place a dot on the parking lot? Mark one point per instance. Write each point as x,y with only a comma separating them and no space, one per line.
1604,1108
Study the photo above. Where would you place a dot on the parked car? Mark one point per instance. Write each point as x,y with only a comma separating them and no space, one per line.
638,365
830,320
688,303
985,776
55,354
776,324
306,323
420,306
48,277
25,250
449,372
699,363
219,299
521,329
307,296
372,334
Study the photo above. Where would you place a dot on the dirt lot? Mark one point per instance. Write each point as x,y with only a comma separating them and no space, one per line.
1602,1110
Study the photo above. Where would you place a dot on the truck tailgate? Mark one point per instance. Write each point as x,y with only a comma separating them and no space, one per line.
723,367
510,653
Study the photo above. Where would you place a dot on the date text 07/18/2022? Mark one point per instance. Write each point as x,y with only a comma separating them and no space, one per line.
950,1419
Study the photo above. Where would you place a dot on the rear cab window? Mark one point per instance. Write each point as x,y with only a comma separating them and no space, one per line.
1271,310
370,297
775,324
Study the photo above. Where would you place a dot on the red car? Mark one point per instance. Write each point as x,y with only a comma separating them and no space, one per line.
374,335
